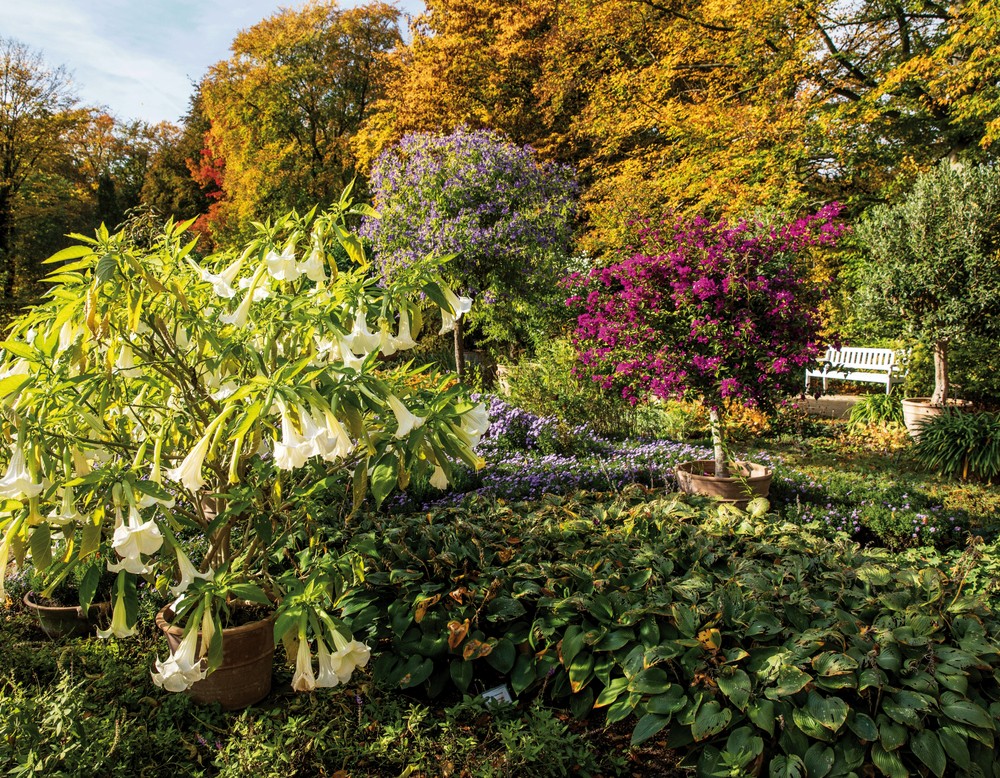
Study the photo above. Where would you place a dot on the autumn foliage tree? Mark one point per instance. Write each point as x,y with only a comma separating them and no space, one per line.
34,100
708,105
283,109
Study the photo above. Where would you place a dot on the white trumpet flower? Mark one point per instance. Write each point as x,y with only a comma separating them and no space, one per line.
241,315
119,622
68,513
315,266
17,483
475,423
350,360
181,669
439,480
283,266
134,538
386,343
188,472
361,340
406,422
303,679
188,574
222,282
125,363
328,666
459,307
351,654
404,340
293,449
342,443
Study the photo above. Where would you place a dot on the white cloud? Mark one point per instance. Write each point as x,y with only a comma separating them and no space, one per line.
139,59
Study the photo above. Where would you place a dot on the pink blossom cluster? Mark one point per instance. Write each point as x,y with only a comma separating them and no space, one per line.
715,310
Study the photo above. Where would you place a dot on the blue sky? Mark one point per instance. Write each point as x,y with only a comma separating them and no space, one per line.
138,58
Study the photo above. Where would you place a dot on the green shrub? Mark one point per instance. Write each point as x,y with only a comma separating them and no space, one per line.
747,641
961,444
875,409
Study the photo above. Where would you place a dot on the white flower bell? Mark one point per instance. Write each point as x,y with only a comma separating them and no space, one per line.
351,655
188,574
459,307
222,282
303,680
438,479
17,483
188,472
119,622
361,340
406,422
329,665
293,449
404,340
132,539
182,669
283,266
315,266
475,423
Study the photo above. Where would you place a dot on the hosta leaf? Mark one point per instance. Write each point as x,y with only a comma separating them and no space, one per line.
652,680
611,692
968,713
648,726
831,712
711,719
830,663
901,713
788,767
818,760
956,746
667,703
762,714
928,750
863,726
891,734
571,644
736,686
790,681
889,763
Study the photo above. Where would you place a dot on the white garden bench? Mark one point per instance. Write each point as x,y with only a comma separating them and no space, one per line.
870,365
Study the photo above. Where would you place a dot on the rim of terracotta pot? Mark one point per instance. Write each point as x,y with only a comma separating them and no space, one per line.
165,614
32,604
763,470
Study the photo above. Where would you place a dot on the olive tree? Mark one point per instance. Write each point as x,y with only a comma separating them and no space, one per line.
932,261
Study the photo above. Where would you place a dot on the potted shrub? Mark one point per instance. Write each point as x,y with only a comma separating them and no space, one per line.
932,268
711,311
178,414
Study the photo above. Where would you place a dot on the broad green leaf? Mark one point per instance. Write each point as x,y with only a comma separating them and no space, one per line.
790,766
652,680
611,692
830,663
928,750
818,760
648,726
710,720
791,680
888,762
461,673
831,712
762,714
667,703
956,746
969,713
735,684
863,726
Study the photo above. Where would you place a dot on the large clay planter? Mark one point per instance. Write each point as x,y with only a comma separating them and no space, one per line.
917,411
244,677
698,477
65,621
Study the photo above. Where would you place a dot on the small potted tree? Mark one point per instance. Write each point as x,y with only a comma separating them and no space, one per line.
174,414
932,268
714,311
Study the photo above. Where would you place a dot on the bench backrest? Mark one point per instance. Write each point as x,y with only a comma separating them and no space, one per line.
880,358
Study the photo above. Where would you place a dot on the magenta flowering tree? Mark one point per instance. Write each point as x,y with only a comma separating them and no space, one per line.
706,310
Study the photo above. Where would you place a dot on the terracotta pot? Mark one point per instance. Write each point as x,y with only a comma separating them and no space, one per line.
65,621
244,677
917,411
698,477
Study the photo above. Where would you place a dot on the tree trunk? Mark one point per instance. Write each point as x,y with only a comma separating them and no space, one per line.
940,396
8,271
459,350
721,465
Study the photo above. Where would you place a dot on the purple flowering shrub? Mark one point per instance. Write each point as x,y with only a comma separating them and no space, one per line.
710,310
507,217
